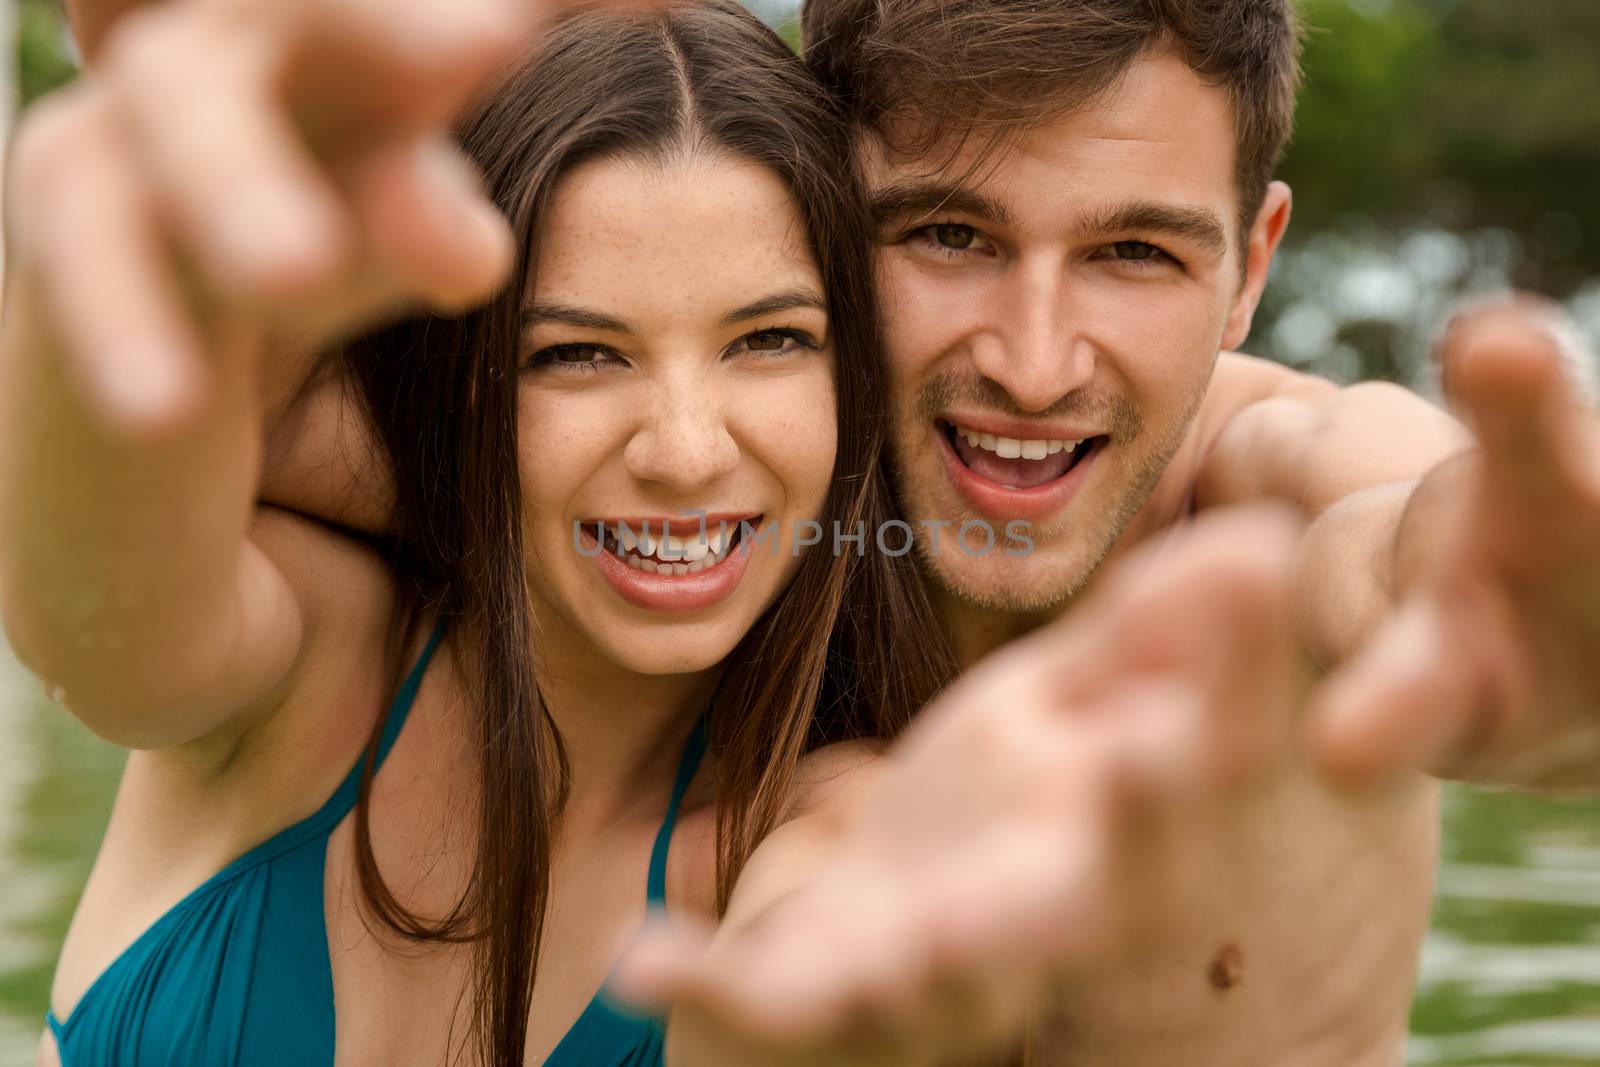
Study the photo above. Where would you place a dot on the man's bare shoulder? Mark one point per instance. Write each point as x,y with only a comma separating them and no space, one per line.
1239,383
341,581
1241,380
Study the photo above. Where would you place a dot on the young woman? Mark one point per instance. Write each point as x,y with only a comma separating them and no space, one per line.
379,798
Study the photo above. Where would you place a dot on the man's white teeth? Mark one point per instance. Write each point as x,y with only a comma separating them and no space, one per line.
1012,448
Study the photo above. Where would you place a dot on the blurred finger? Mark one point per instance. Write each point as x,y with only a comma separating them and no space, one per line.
1509,377
430,224
662,962
410,66
1169,601
1209,611
102,272
1407,703
254,210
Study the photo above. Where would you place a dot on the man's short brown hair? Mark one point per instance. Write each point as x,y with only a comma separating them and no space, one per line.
927,69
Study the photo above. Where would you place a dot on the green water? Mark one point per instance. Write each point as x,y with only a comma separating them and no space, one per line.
1510,973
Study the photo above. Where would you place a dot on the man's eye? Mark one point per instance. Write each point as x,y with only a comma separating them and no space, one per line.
1134,251
954,236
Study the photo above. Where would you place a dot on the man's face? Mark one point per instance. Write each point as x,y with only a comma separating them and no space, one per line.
1053,316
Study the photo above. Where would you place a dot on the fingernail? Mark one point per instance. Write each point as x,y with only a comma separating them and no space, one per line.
146,391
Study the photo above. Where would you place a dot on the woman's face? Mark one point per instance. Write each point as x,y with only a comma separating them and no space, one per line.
677,362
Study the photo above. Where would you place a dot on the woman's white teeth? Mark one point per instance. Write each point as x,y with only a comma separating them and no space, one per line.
1012,448
688,550
665,553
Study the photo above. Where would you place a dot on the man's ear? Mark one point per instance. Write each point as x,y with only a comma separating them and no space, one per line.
1272,221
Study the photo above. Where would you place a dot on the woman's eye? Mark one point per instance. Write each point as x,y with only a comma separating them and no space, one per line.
570,357
766,342
776,342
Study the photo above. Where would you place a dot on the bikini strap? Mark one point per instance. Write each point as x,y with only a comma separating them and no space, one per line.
693,752
404,697
344,798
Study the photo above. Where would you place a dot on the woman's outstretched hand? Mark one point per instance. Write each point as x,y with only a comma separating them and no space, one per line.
233,184
1489,669
1054,798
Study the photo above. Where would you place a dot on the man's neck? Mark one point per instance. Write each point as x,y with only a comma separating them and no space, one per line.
975,631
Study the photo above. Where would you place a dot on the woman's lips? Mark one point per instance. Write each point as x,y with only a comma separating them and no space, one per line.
668,592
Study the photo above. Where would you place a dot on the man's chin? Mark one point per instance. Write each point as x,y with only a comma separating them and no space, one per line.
1015,585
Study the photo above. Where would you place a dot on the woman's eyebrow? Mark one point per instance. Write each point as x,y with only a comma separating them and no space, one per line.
543,311
787,300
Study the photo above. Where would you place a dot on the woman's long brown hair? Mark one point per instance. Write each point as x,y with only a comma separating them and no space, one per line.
849,649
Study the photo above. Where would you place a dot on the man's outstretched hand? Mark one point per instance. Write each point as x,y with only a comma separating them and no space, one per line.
1057,801
1489,668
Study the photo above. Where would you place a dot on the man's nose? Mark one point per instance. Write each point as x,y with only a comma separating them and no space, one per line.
1035,350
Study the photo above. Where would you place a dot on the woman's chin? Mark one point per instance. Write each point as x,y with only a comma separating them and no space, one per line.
667,653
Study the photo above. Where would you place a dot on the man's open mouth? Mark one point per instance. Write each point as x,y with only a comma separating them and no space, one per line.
1017,463
649,548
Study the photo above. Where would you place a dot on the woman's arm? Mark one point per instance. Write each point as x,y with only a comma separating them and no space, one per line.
126,576
233,171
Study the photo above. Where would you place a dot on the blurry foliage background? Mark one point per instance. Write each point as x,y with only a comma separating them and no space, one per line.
1443,147
43,62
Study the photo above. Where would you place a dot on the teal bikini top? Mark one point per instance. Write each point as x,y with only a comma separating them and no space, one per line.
237,974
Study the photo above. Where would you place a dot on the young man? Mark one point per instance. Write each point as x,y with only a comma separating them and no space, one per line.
1069,275
1077,216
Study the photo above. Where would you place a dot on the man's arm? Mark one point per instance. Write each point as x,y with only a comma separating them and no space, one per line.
1349,460
1487,669
321,459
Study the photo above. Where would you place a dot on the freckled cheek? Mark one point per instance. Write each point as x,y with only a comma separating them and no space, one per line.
561,443
789,426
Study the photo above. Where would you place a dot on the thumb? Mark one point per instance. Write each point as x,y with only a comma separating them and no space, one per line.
664,961
430,225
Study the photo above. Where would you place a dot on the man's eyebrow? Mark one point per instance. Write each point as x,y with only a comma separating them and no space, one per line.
1194,223
787,300
920,199
544,311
